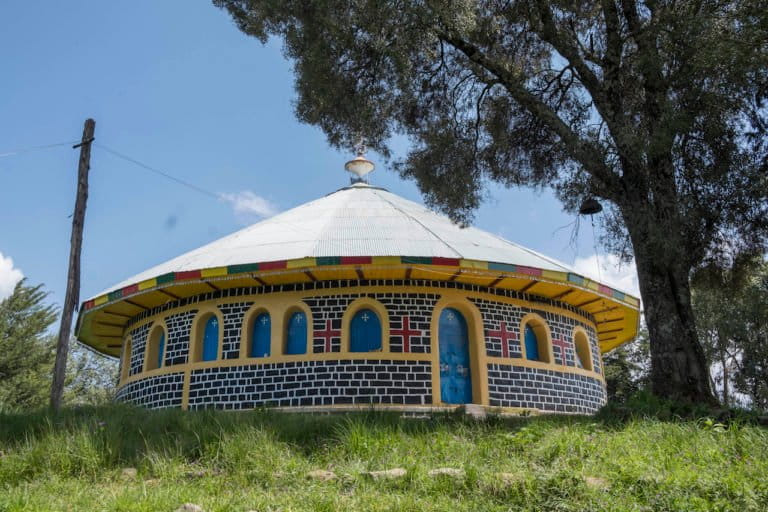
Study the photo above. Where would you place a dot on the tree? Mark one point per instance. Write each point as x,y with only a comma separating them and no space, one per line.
731,308
627,369
657,107
26,347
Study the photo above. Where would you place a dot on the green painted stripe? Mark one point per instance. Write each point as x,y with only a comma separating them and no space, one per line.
505,267
165,278
115,295
575,278
328,260
239,269
415,260
618,295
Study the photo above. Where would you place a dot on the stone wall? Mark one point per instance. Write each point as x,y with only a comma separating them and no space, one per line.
155,392
303,383
547,390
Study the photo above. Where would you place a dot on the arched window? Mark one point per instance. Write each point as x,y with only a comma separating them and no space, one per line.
365,332
583,353
296,334
153,358
262,336
531,344
536,339
211,339
126,368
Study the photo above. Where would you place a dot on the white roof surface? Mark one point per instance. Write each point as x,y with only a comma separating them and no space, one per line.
359,220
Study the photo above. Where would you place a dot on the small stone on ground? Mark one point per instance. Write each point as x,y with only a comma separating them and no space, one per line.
190,507
128,473
452,472
387,474
596,482
322,475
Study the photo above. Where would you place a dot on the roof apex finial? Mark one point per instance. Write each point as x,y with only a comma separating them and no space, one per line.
359,166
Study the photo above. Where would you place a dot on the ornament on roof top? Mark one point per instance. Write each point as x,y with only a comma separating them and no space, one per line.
359,166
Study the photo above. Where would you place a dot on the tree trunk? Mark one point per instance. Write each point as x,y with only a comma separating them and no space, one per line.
678,365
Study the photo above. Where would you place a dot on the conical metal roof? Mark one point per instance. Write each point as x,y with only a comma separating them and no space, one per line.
357,232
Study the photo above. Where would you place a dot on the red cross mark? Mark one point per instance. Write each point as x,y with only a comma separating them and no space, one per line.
406,333
559,342
504,335
328,334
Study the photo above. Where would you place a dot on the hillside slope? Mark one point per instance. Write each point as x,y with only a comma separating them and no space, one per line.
260,461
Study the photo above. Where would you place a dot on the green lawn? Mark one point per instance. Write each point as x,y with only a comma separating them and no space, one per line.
259,461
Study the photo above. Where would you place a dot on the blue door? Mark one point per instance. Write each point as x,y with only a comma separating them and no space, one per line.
455,379
211,339
531,344
365,332
262,336
160,350
297,334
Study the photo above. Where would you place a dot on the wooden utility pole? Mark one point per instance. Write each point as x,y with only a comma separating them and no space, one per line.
72,297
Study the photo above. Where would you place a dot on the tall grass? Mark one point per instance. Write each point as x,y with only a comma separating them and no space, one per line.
258,460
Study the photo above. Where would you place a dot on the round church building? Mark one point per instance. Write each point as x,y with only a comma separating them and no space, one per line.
360,298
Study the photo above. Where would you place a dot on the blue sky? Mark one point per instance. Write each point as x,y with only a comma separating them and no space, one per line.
175,85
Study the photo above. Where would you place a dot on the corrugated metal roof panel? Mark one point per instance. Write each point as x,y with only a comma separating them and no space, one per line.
359,220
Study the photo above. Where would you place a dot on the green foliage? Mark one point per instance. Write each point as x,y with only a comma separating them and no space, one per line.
627,369
657,108
26,348
227,461
27,352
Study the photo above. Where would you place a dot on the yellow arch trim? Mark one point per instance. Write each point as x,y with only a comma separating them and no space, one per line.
246,333
477,354
197,330
578,332
543,335
151,348
355,306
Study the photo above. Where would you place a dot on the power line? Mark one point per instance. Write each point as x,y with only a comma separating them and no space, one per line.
159,172
36,148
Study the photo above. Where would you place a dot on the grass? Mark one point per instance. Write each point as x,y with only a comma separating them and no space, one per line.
259,460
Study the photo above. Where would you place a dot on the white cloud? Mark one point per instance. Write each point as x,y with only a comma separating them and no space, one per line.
247,206
622,276
9,276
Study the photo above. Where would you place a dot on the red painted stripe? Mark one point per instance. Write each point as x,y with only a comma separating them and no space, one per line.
449,262
88,304
530,271
130,289
273,265
604,289
189,274
356,260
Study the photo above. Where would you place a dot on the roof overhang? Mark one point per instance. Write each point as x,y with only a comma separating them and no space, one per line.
102,320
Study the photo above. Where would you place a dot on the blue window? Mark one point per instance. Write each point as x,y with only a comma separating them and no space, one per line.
211,339
365,332
160,350
531,344
296,339
262,336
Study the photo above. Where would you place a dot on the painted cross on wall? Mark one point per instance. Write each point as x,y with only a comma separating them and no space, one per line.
504,335
328,334
406,332
562,345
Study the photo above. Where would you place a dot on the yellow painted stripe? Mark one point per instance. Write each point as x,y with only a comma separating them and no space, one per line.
149,283
302,262
473,264
98,301
214,272
592,285
386,260
631,300
554,276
